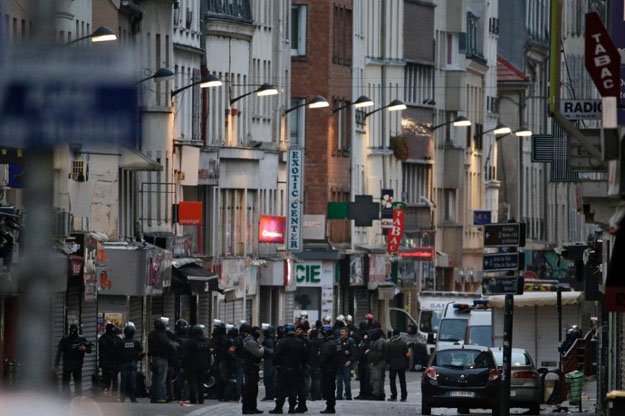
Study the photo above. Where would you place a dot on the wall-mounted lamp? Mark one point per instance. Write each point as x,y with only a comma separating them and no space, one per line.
163,74
316,102
500,129
460,121
523,131
263,90
362,102
207,81
395,105
101,34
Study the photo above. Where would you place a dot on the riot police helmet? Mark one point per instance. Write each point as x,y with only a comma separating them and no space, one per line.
129,330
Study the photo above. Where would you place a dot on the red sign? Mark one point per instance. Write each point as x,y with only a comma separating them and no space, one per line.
190,213
419,253
271,229
396,233
601,57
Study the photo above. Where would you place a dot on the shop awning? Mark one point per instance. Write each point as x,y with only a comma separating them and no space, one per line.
135,160
536,299
192,277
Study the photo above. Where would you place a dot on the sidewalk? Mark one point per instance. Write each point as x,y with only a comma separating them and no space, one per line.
588,404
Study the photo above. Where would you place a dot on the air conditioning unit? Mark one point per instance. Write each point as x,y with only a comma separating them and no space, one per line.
80,170
62,224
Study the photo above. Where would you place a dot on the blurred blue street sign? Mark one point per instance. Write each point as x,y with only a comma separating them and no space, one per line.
482,217
55,95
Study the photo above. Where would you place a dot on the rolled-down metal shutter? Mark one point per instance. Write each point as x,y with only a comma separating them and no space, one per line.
361,301
203,309
289,306
58,325
136,317
89,315
169,307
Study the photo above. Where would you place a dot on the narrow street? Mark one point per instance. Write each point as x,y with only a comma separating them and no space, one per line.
412,406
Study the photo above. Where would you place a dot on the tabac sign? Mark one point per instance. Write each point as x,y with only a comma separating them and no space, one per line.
601,57
396,233
295,189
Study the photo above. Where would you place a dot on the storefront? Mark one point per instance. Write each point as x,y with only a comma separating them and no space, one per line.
239,280
314,288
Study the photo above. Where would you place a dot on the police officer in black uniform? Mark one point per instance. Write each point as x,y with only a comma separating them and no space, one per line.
109,347
181,335
221,355
304,375
328,363
269,372
131,352
252,354
196,362
290,356
72,349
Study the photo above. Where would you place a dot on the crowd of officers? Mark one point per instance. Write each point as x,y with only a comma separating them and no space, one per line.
300,362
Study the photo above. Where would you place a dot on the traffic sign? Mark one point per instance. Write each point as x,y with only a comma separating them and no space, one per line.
502,285
500,262
54,95
509,234
482,217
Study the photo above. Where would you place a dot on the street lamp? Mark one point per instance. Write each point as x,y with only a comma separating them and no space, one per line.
163,74
395,105
101,34
263,90
207,81
459,121
316,102
523,131
362,102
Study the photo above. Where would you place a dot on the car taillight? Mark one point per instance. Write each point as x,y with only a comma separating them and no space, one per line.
430,372
525,374
493,374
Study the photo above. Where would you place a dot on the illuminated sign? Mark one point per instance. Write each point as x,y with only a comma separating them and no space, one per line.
271,229
396,232
295,199
190,213
419,253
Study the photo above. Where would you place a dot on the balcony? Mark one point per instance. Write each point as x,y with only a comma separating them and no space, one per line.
238,10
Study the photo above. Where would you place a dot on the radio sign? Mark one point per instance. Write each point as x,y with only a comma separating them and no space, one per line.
601,57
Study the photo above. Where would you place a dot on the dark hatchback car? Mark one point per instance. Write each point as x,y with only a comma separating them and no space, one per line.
462,376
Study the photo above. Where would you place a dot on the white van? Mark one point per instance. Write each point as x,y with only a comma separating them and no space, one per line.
453,324
480,328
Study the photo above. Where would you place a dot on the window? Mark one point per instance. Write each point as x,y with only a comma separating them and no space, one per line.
343,139
297,123
473,44
418,83
493,25
299,15
342,36
449,199
450,44
479,129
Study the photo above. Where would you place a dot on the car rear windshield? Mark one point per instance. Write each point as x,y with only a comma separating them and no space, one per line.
519,359
463,359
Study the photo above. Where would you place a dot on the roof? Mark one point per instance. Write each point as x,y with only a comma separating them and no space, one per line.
507,72
536,299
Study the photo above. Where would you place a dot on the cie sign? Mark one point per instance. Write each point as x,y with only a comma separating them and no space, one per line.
601,57
308,274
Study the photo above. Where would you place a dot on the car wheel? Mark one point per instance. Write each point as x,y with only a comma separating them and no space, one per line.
425,409
464,410
535,409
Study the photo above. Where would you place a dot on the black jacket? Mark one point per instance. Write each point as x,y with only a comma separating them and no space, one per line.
110,348
251,352
68,348
196,353
397,353
159,345
269,344
347,351
131,350
329,359
291,353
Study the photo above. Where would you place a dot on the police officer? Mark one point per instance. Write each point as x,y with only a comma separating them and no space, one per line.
196,362
131,352
232,365
72,349
160,349
304,379
109,347
252,354
377,364
221,353
289,358
328,363
363,364
181,335
314,339
269,372
348,353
